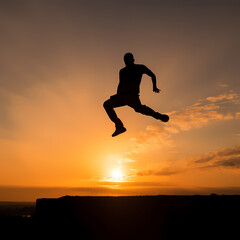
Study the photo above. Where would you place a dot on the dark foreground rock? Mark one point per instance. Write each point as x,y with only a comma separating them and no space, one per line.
140,217
16,220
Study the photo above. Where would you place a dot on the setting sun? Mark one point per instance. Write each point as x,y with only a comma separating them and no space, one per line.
117,175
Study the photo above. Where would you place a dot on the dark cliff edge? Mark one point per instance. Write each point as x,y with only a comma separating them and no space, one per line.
140,217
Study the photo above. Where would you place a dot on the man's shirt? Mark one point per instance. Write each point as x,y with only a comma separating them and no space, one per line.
130,78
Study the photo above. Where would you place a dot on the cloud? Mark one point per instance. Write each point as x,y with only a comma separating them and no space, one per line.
162,172
228,158
225,158
223,85
134,184
225,96
126,160
203,112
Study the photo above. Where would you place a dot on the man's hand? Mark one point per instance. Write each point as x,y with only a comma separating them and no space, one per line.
156,90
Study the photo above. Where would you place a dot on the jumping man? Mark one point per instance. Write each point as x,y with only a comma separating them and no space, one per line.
128,93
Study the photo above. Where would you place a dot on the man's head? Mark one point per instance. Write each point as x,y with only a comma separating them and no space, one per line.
128,59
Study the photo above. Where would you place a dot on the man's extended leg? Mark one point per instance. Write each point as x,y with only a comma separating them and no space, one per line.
115,101
138,107
149,112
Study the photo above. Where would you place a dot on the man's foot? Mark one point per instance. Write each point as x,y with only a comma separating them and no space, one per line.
162,117
119,130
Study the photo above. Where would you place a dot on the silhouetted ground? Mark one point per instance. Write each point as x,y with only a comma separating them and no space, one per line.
16,219
140,217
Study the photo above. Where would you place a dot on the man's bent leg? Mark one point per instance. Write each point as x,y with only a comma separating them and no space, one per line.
111,113
114,101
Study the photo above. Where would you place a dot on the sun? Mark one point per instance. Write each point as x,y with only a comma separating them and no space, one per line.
117,175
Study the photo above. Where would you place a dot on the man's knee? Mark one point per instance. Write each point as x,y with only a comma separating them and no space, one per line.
107,104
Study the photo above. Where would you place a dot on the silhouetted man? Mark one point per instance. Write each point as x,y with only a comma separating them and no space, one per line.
128,93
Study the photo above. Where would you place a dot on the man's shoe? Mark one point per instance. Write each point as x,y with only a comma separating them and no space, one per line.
118,131
162,117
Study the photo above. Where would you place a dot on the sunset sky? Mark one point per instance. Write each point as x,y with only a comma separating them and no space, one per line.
60,61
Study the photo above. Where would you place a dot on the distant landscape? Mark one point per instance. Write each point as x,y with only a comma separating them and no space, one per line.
23,209
16,218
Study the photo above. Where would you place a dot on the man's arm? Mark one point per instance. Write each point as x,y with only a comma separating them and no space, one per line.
154,81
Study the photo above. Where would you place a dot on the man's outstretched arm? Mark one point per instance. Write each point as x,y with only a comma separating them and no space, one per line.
154,81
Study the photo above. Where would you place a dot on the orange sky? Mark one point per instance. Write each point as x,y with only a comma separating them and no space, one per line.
60,61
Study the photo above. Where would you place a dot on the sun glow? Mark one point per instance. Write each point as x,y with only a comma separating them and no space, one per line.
117,175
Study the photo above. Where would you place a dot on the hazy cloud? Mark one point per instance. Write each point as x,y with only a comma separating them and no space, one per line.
227,96
205,111
223,85
162,172
134,184
224,158
227,158
154,135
